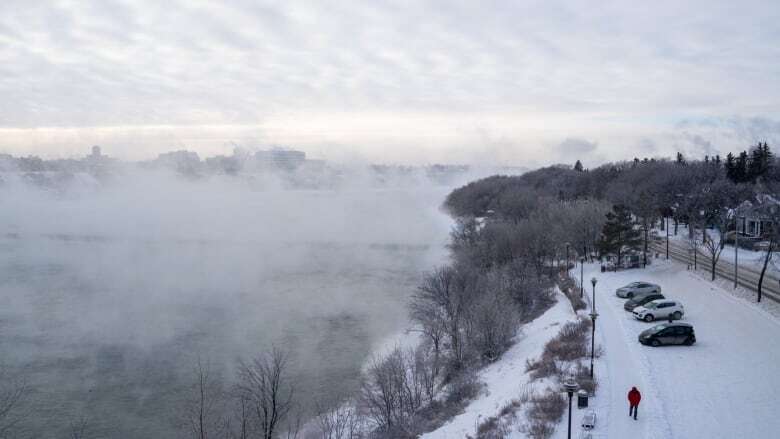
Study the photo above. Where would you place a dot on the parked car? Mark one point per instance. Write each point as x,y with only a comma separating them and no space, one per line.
668,333
641,299
659,309
635,288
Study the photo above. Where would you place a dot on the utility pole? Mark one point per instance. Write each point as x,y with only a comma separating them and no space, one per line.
667,237
736,249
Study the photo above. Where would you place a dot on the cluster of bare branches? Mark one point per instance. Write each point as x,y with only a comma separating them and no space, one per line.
260,404
13,410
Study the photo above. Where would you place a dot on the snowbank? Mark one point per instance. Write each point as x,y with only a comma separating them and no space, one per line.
506,379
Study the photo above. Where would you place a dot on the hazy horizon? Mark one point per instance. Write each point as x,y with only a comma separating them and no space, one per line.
515,83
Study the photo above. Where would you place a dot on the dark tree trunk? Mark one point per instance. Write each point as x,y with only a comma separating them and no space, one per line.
767,257
712,269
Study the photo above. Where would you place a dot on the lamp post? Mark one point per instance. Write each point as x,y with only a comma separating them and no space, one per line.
593,316
582,275
570,386
567,257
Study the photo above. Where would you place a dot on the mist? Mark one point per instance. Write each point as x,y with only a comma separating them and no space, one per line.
113,289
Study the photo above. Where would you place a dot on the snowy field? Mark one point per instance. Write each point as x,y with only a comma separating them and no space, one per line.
725,386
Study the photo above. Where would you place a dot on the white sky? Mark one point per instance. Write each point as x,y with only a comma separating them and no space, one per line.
513,82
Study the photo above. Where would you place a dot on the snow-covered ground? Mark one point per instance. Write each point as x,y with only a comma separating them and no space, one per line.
725,386
506,379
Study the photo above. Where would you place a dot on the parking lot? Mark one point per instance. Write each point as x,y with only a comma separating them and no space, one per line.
724,386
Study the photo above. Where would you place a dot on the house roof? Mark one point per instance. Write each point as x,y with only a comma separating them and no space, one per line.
764,206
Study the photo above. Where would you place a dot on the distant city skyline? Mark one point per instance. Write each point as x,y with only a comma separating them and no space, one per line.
498,82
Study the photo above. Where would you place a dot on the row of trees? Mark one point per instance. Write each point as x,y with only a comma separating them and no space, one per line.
699,193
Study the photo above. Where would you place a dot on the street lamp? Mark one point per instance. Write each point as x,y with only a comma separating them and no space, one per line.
570,386
582,275
567,257
593,316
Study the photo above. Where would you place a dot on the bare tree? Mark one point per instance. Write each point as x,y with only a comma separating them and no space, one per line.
393,390
343,422
768,253
714,200
238,423
713,244
445,291
493,317
773,237
431,322
12,397
79,428
203,409
267,387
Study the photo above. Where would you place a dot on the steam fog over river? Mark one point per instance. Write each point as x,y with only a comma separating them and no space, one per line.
110,295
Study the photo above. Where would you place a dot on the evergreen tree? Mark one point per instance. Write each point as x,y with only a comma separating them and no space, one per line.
578,166
755,166
741,168
731,167
760,161
680,159
717,159
619,234
769,158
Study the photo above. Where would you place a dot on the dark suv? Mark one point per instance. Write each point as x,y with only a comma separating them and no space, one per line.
668,333
641,299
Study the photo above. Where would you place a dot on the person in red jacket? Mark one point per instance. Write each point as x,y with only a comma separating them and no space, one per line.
633,400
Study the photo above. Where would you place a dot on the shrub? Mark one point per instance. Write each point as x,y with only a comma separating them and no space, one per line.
571,289
547,407
540,430
585,382
544,367
570,343
462,389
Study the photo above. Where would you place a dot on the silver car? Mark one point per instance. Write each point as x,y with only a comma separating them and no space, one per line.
635,288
